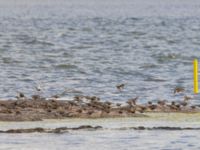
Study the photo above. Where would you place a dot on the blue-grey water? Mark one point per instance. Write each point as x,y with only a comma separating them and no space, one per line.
87,47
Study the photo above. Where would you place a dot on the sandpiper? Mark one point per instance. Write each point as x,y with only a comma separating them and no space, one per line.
120,87
187,98
55,96
161,102
152,107
35,97
132,101
173,106
173,103
38,88
179,90
118,104
20,96
183,103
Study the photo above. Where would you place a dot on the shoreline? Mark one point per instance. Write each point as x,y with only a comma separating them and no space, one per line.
62,130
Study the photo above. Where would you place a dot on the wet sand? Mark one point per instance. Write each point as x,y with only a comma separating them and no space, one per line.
38,108
171,121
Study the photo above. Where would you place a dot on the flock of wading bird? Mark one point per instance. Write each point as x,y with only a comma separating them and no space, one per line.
39,108
164,105
93,107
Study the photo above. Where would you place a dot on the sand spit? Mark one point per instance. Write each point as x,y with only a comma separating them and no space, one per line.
38,108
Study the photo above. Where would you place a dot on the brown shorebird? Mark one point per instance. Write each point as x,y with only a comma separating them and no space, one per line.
94,99
55,96
118,104
120,87
187,98
179,90
173,106
120,111
79,111
90,112
132,102
161,102
35,97
183,103
152,106
107,103
142,109
173,103
149,103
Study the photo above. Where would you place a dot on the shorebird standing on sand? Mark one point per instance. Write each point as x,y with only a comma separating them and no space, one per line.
20,96
38,89
132,102
161,102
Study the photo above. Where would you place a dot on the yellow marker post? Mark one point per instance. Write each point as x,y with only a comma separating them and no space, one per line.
196,88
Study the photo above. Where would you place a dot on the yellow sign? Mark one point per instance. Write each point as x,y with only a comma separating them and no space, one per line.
196,88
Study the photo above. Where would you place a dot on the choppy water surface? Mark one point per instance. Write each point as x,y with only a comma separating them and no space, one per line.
87,47
90,46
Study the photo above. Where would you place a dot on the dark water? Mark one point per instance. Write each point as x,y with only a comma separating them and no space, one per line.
91,46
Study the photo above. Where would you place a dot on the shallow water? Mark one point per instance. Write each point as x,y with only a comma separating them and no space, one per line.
111,136
125,140
88,47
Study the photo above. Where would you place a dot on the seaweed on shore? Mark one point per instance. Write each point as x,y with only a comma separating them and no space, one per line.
91,128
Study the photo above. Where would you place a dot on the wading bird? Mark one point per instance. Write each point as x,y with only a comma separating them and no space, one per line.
120,87
179,90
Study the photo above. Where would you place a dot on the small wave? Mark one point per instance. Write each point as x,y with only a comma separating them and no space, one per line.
65,66
137,33
33,40
147,66
9,60
154,79
166,57
134,18
84,46
87,29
